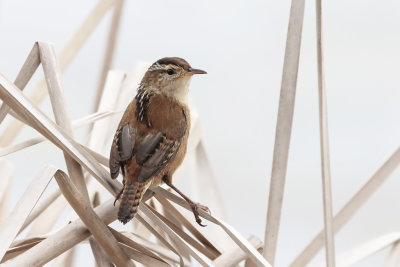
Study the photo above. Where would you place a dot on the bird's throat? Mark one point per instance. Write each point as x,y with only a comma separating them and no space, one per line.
180,90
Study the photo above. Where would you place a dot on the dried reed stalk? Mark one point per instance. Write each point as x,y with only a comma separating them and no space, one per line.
99,230
350,208
101,131
393,259
102,260
137,251
161,238
66,259
283,128
32,62
6,172
56,92
237,255
64,239
174,236
205,250
249,263
129,241
14,98
142,258
236,237
170,209
38,139
65,57
363,251
109,54
164,252
325,161
39,209
24,206
47,219
19,246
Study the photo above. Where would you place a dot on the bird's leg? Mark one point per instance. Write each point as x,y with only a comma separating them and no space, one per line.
194,206
120,193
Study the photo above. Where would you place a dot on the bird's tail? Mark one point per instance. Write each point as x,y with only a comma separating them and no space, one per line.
130,199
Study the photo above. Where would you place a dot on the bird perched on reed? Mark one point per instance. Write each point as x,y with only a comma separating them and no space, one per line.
151,139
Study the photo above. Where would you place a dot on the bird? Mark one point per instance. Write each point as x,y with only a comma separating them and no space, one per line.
151,139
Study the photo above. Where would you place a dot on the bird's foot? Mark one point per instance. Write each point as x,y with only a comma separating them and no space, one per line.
195,207
118,196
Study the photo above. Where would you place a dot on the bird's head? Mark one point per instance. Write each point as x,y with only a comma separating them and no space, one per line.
170,76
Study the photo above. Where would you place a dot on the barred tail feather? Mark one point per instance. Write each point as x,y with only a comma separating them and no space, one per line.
130,199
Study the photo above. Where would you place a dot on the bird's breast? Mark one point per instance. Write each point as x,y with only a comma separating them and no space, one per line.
168,116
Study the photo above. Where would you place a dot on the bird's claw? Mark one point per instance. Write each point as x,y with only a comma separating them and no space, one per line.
118,196
198,220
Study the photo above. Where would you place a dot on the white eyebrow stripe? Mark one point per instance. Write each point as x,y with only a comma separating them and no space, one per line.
156,66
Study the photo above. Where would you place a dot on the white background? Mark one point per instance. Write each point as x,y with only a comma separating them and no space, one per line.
241,45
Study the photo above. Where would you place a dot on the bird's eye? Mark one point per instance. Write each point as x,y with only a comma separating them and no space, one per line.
170,71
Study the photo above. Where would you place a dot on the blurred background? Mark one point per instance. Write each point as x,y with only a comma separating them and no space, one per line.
241,46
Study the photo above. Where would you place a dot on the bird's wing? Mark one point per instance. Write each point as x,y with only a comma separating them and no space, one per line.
122,148
154,152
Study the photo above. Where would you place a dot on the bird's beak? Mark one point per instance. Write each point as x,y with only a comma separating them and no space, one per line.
192,71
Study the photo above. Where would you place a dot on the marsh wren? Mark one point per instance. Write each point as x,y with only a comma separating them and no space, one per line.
151,139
